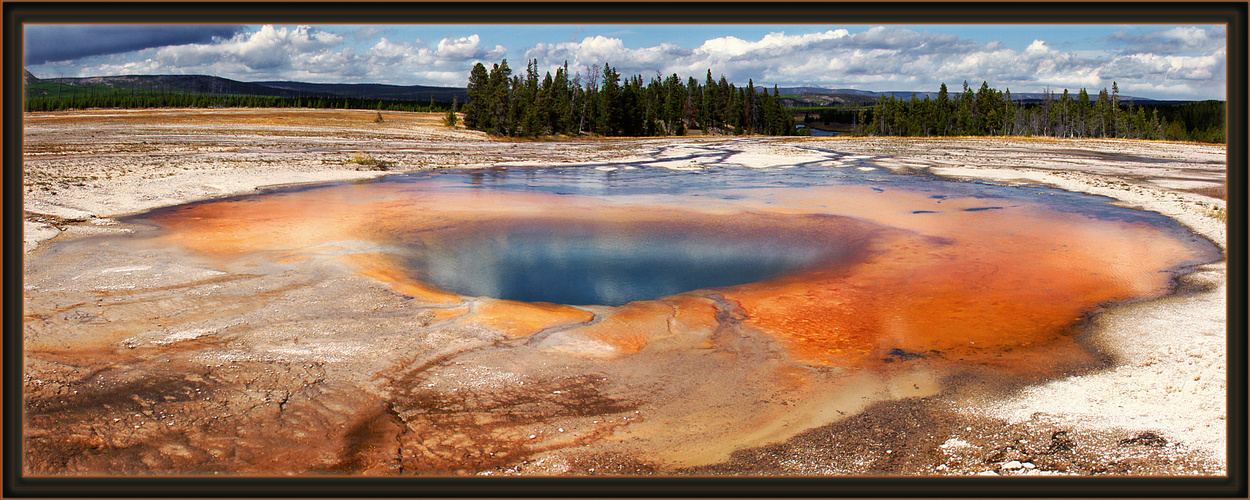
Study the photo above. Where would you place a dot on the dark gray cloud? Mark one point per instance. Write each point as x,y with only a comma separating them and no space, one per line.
49,43
1179,40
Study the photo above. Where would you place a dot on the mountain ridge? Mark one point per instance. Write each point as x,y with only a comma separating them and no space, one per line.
215,85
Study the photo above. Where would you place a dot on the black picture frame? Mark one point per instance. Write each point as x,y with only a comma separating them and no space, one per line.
15,14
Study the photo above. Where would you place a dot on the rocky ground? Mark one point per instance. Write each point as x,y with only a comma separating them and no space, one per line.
149,359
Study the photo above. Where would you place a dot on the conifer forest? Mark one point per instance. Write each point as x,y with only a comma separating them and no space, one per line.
603,103
988,111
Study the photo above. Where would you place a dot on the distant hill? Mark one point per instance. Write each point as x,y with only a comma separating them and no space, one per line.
190,84
36,87
375,90
213,85
818,96
822,90
817,100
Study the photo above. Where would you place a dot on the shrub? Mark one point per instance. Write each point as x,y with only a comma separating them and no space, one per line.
368,162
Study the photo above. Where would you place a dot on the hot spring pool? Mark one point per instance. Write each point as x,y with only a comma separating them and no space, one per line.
831,257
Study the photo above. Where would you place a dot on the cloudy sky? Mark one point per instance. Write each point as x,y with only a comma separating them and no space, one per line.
1155,61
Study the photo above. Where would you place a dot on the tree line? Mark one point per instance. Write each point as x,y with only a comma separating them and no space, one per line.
601,103
605,104
989,111
122,99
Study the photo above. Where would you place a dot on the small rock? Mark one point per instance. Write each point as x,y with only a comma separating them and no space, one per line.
954,443
1028,465
987,473
1147,439
1013,465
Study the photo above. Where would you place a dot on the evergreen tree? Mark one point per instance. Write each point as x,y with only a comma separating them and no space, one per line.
1116,117
751,116
450,119
724,109
608,119
674,99
1102,112
965,121
1082,114
1064,127
499,99
737,110
690,111
531,112
707,111
561,102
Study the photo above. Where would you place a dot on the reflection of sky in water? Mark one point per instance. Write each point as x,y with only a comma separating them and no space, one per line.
606,266
571,266
726,183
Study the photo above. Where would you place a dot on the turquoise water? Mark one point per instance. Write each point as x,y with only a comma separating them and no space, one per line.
604,264
608,264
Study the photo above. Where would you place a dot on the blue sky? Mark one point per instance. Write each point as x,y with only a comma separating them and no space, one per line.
1156,61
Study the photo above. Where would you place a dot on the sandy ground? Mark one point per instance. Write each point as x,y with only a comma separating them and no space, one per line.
1159,409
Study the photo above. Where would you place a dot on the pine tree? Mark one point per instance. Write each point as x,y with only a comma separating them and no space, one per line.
965,121
1102,110
499,96
728,97
943,117
1007,113
690,111
608,114
1065,118
476,110
1116,118
751,117
707,112
1081,120
561,102
529,116
450,119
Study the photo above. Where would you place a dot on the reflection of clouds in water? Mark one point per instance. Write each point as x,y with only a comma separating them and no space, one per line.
612,292
474,271
571,265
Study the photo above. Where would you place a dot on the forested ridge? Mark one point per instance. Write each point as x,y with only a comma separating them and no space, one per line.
100,97
605,104
988,111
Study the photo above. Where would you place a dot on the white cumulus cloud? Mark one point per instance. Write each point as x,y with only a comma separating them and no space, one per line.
309,54
1182,61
